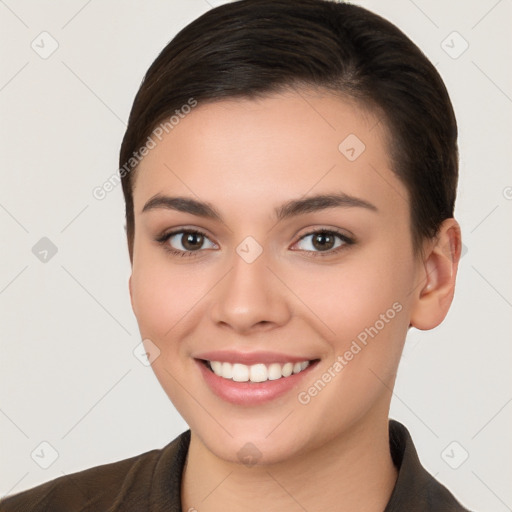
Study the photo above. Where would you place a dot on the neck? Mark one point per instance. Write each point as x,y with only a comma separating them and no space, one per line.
352,472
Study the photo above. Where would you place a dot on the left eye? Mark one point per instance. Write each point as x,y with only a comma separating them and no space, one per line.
322,241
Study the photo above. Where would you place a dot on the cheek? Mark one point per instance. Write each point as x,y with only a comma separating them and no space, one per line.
364,303
163,296
351,296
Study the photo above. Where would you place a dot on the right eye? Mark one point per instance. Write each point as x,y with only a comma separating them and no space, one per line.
185,242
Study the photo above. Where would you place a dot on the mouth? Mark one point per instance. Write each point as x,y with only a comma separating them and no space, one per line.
255,373
256,383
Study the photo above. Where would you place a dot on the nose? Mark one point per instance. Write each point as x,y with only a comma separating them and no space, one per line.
250,298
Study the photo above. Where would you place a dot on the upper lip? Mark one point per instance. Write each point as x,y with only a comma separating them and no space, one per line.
249,358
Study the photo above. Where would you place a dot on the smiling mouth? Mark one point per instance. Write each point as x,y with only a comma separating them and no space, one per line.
260,372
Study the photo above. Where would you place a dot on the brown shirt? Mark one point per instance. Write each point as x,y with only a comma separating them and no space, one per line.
151,482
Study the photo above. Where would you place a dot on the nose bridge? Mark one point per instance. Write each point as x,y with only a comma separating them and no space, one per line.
250,295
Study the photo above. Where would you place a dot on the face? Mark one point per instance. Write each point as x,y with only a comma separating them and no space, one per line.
290,243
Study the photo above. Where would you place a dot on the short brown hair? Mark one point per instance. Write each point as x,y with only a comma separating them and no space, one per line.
253,48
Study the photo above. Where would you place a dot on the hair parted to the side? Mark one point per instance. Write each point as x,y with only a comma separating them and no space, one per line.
252,48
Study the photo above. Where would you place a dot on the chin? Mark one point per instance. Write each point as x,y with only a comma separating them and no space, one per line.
255,452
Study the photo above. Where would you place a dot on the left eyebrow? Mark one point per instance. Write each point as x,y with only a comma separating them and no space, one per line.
287,210
320,202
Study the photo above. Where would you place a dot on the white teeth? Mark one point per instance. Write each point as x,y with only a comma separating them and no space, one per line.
256,372
274,371
216,367
240,372
287,369
227,370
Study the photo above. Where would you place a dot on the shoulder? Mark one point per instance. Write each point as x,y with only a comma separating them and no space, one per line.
415,488
123,485
97,486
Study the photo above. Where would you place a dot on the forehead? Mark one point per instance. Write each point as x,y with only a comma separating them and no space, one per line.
257,151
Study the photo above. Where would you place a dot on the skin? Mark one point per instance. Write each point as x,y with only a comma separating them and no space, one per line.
246,157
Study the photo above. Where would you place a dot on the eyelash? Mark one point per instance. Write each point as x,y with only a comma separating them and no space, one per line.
347,241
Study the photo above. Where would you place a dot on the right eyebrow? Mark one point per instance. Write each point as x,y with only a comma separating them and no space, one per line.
183,204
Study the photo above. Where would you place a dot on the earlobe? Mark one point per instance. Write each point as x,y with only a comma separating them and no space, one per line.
437,275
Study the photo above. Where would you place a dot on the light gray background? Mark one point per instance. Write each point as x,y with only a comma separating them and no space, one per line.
68,374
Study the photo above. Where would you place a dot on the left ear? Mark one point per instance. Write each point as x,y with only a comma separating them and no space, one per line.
438,271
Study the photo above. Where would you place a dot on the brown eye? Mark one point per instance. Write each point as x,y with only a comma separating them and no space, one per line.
186,241
192,241
323,241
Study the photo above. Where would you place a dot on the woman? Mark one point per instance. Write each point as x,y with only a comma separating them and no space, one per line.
289,171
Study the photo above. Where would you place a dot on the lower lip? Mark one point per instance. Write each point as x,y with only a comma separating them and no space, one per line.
251,393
